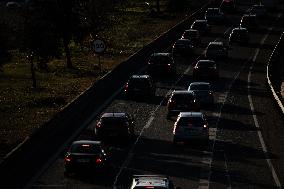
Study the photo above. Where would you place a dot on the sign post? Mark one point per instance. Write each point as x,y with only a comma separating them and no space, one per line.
99,48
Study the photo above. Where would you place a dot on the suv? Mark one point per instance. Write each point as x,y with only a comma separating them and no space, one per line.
190,126
201,25
239,35
151,181
161,64
140,86
119,124
216,50
193,36
249,22
182,100
214,15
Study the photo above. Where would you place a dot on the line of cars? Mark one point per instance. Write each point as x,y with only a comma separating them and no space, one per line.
190,124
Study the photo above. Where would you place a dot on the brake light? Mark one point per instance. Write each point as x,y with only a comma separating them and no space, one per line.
99,124
171,103
67,159
126,87
98,161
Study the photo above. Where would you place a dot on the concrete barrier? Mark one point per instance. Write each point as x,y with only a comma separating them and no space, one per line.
23,162
275,72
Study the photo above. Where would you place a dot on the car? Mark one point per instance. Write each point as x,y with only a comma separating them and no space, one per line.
193,36
13,5
152,181
161,64
216,50
182,100
239,35
205,69
258,10
190,126
203,92
249,21
83,155
214,15
228,6
115,124
183,48
140,86
202,26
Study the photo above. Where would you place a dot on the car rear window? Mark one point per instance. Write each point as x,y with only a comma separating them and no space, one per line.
160,59
207,64
190,122
85,148
113,121
180,98
141,83
200,87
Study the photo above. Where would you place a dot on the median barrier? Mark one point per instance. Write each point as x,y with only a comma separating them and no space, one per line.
25,160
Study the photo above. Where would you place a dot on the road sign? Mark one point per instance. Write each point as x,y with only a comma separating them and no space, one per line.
99,46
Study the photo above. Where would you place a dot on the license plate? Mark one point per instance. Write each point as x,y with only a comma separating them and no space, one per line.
83,160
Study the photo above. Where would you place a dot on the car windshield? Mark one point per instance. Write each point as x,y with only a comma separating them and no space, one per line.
160,59
200,87
113,121
85,148
181,98
207,64
190,122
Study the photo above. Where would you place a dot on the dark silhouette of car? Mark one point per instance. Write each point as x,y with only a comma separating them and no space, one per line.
239,35
152,182
183,48
202,26
258,10
216,51
203,92
190,126
249,21
181,100
85,155
193,36
140,86
161,64
214,15
205,69
116,124
228,6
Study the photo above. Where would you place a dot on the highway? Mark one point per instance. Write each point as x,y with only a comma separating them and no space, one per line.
246,129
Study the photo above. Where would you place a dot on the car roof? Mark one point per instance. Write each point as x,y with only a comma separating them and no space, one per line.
161,54
191,30
151,180
79,142
199,83
140,76
183,40
200,21
191,114
205,60
248,15
114,115
213,8
182,92
216,43
239,28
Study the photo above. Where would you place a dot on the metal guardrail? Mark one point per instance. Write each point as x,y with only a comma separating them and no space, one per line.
272,63
23,162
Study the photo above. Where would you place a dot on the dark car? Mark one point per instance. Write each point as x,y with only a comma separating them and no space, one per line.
202,91
182,100
118,124
183,48
193,36
140,86
239,35
152,182
190,126
216,51
249,21
85,154
258,10
214,15
161,64
228,6
205,69
201,25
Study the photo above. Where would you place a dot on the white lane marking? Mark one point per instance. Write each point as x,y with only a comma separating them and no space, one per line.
263,145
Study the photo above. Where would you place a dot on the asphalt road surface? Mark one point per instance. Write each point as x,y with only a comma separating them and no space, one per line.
246,128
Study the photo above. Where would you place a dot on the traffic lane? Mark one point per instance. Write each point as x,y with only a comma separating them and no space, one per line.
239,154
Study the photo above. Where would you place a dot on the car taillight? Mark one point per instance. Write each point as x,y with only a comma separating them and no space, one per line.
99,124
68,159
126,87
98,161
171,103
